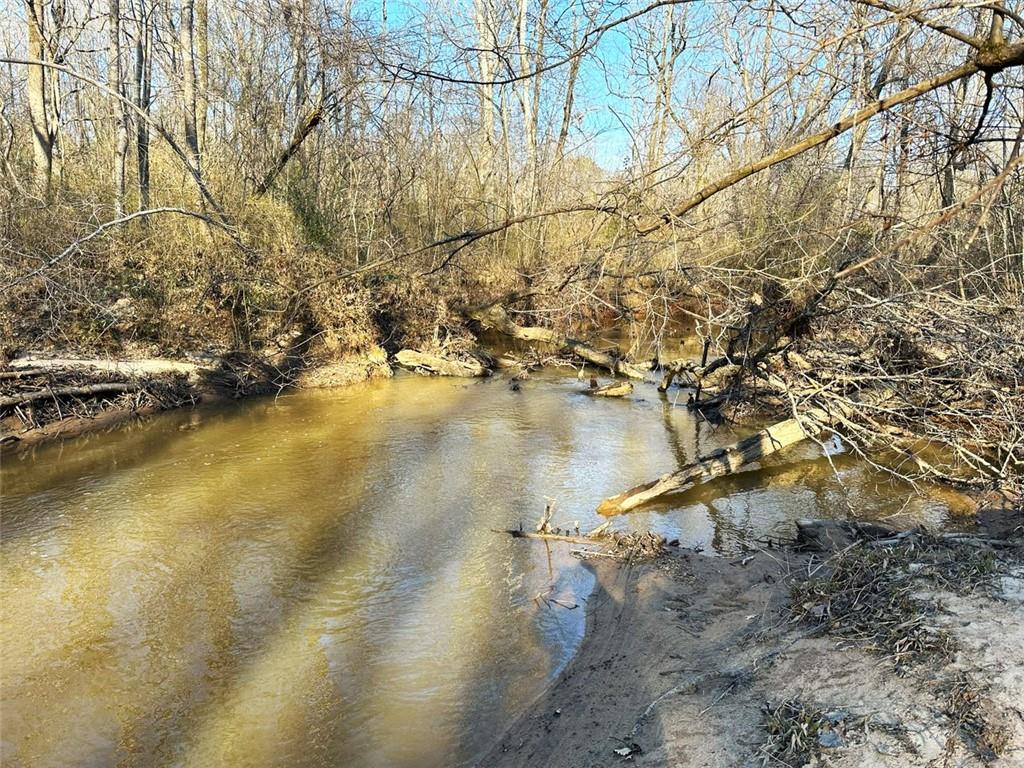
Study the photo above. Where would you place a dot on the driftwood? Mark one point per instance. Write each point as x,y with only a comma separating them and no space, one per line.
724,461
88,390
425,363
517,534
615,389
140,367
22,374
615,544
497,318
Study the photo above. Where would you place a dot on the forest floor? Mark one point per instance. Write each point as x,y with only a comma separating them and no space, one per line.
908,654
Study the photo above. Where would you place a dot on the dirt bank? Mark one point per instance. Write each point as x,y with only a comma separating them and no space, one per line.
49,397
700,661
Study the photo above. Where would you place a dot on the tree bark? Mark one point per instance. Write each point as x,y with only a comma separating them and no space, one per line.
44,131
142,98
202,64
189,82
116,83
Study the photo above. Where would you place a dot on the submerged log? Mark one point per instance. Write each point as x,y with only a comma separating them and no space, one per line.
436,365
497,318
724,461
615,389
89,390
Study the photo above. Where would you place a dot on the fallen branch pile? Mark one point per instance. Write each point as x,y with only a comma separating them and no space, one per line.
924,384
34,397
495,316
636,545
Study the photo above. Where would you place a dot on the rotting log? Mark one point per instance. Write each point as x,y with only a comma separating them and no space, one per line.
497,318
724,461
615,389
140,367
88,390
423,362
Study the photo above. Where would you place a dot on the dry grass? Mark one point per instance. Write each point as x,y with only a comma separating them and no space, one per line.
792,732
868,594
974,719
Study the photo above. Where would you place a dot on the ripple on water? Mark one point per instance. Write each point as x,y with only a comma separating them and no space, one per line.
315,579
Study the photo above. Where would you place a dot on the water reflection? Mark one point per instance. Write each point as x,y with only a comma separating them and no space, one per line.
315,580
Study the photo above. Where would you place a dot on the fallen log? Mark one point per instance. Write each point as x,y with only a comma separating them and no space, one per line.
436,365
88,390
615,389
497,318
724,461
25,373
140,367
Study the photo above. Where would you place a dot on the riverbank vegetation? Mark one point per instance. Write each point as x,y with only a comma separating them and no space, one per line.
830,193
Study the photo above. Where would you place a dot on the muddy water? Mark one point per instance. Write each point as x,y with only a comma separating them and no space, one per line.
314,580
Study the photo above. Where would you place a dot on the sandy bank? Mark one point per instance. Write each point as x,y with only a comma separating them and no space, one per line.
689,659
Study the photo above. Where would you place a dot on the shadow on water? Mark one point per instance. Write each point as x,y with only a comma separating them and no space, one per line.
558,729
168,709
315,580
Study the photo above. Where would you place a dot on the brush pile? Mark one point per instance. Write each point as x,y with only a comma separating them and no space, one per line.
871,592
32,398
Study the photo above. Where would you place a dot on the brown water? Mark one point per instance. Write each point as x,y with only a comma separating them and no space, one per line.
314,580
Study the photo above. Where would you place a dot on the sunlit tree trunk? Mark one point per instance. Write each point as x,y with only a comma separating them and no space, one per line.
202,66
143,77
486,62
42,112
189,81
116,84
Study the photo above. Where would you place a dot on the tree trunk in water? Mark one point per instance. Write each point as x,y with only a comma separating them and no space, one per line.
725,461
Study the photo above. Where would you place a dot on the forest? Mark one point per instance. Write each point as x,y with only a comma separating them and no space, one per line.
839,180
782,239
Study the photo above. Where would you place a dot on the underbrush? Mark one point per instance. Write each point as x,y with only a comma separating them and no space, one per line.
171,284
884,595
872,594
